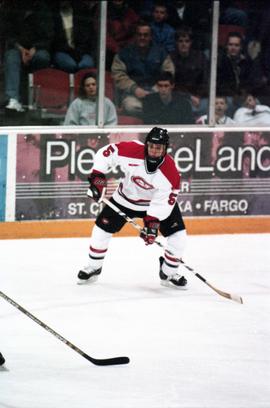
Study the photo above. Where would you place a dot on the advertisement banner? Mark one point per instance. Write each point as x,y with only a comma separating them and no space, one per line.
3,173
222,173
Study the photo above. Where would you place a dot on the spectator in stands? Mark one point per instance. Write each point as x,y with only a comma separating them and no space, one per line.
135,69
74,40
191,71
28,31
234,69
121,25
162,33
194,14
191,66
234,12
264,39
177,14
220,113
257,44
83,110
167,106
252,113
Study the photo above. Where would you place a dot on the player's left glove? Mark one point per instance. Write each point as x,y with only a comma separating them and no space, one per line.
97,186
150,230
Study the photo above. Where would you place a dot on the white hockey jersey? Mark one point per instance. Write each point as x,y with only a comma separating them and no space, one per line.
139,190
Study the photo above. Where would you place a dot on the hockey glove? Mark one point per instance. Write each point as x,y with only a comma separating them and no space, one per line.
150,230
97,186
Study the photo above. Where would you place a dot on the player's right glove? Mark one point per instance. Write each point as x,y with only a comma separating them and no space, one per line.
150,230
97,186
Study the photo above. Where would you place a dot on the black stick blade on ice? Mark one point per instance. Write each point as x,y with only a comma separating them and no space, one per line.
96,361
107,361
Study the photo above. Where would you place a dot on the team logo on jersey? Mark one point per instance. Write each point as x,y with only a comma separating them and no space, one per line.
139,181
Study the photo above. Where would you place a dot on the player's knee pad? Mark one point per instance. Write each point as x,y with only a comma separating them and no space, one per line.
100,239
173,252
176,243
98,247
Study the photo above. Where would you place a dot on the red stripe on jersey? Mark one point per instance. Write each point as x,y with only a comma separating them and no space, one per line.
169,170
98,251
96,171
131,149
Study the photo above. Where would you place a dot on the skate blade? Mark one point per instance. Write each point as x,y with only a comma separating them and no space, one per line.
87,281
168,284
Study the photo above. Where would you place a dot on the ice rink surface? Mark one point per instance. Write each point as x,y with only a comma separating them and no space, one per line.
187,349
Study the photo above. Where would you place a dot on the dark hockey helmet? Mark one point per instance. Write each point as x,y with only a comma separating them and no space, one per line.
157,136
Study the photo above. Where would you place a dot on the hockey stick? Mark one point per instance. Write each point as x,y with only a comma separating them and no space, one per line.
234,297
96,361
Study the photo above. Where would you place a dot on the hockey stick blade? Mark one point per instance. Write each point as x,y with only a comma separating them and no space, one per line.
233,297
107,361
96,361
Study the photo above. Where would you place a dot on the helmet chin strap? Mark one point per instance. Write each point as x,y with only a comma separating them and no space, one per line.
152,163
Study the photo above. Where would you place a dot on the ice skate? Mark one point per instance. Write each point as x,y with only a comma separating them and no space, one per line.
88,275
2,360
176,281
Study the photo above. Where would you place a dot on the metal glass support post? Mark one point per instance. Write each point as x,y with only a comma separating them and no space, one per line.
213,71
3,174
101,62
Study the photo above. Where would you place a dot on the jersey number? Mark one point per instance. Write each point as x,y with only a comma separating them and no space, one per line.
108,151
172,199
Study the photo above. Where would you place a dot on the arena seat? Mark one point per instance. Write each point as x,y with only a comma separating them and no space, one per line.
49,92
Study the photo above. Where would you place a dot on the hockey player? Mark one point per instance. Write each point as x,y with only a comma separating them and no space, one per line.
149,191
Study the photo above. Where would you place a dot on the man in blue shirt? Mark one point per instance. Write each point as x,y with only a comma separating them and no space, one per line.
136,67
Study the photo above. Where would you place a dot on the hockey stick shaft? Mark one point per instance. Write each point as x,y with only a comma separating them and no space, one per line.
234,297
96,361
